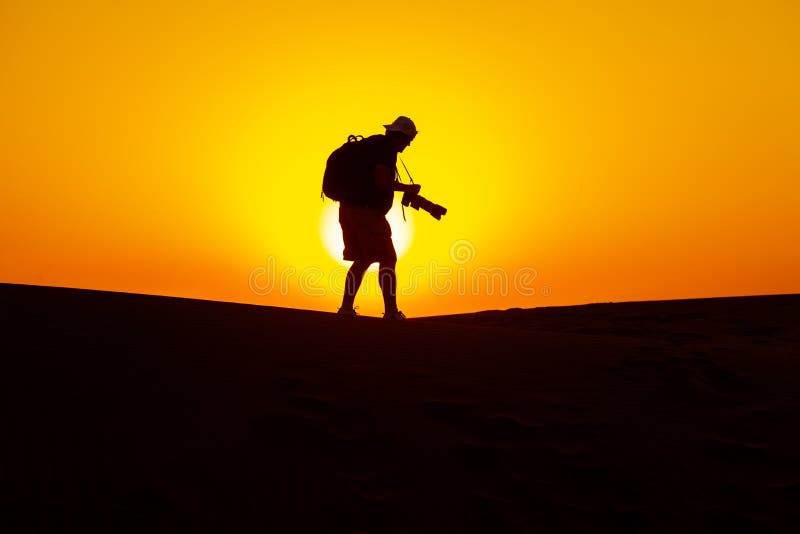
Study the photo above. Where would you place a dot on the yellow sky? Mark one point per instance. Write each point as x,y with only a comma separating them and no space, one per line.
585,151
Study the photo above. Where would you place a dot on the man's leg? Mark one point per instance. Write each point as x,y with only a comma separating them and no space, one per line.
387,277
353,281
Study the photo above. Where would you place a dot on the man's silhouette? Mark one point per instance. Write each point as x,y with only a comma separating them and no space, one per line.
367,234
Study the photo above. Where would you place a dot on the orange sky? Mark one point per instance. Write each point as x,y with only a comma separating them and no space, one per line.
585,153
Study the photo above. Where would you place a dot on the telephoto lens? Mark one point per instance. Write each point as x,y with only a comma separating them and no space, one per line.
418,202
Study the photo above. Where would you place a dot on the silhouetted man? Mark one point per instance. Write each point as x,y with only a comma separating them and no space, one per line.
367,234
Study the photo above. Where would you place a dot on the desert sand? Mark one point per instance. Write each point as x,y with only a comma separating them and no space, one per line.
134,413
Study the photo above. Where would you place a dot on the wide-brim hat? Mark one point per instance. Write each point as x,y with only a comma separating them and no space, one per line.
404,125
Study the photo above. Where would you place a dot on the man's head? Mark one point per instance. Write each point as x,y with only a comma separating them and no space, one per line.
401,132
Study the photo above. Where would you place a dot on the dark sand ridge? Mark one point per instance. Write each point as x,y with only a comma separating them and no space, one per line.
132,413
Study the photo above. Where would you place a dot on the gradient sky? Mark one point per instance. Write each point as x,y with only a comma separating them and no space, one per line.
591,151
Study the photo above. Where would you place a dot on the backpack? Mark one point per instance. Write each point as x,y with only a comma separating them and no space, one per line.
349,175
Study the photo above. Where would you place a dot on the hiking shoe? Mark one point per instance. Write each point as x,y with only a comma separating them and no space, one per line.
347,311
396,315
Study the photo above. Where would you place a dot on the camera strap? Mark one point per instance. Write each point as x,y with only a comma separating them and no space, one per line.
406,168
399,179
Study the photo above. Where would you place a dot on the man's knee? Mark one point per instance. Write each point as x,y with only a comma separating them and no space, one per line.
388,260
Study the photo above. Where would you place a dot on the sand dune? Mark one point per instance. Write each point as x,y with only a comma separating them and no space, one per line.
132,413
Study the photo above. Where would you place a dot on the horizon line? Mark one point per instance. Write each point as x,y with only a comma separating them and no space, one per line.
169,296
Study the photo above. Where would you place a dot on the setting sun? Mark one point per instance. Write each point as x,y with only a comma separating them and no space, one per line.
331,232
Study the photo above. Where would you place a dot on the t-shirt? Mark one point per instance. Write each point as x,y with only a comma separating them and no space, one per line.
380,151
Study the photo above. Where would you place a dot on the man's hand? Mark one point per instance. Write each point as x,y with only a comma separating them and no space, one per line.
385,177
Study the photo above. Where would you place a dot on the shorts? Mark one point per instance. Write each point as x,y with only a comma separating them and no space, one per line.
367,235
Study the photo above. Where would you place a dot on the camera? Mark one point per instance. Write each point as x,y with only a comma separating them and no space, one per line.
417,201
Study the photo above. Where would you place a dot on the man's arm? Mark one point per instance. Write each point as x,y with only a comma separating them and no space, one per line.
384,177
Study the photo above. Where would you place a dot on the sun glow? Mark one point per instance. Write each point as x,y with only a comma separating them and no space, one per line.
331,232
